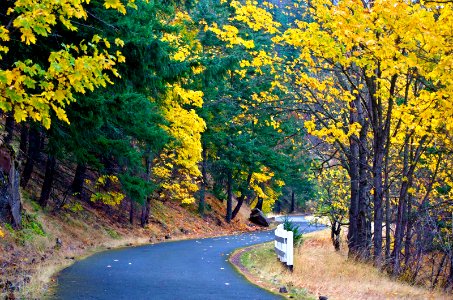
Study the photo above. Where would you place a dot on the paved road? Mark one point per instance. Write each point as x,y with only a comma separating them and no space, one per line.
190,269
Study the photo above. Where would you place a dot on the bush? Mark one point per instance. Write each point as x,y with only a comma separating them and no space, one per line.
298,237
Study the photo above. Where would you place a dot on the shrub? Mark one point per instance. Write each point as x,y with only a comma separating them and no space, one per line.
289,225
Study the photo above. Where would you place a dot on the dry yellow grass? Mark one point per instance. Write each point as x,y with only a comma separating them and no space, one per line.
322,271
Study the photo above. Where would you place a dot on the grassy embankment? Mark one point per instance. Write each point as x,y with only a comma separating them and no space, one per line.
319,270
30,257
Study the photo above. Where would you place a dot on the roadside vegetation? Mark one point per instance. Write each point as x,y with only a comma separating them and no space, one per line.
319,270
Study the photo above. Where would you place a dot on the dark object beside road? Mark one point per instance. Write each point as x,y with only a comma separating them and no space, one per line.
257,217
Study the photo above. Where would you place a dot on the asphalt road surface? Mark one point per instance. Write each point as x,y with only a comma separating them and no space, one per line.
190,269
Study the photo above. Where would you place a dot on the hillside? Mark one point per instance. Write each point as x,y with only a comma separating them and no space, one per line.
50,241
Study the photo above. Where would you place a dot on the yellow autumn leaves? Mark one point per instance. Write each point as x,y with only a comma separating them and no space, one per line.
31,90
177,167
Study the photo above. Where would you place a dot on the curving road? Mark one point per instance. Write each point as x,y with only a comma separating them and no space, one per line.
190,269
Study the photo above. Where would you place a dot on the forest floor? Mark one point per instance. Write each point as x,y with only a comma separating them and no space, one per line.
320,271
52,240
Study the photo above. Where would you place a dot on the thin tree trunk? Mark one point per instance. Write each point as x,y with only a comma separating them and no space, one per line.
9,127
439,271
354,204
131,211
377,198
242,197
10,198
450,275
259,204
335,231
34,147
229,197
364,212
293,202
48,180
79,177
409,225
23,139
146,210
408,172
387,211
202,203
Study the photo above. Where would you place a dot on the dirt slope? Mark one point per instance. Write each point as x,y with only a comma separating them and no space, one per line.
52,240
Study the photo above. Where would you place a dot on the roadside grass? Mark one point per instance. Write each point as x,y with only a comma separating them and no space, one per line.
269,273
320,271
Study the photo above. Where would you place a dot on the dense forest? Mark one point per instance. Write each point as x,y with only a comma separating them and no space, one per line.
343,106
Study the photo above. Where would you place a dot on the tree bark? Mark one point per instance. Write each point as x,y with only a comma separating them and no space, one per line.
259,203
439,271
241,199
364,212
293,202
48,180
387,211
23,139
377,199
450,275
34,147
354,204
10,201
409,225
408,172
79,177
335,231
229,197
146,210
202,203
9,127
131,211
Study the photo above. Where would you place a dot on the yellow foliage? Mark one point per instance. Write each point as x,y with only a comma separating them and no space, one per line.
111,198
32,90
261,183
177,166
184,41
334,194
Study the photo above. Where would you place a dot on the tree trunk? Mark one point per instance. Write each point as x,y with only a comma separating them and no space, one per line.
79,177
387,212
241,199
10,202
409,225
9,127
23,140
202,203
408,172
238,206
259,204
293,202
335,231
146,210
229,197
131,211
364,211
450,275
439,271
34,147
354,204
48,180
377,199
